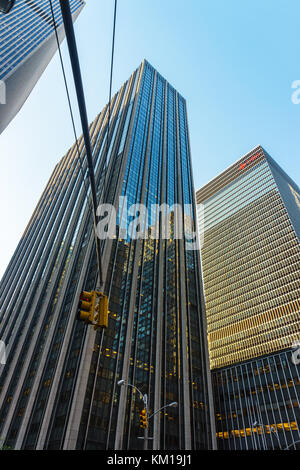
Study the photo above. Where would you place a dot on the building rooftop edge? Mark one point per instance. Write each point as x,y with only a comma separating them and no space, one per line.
257,147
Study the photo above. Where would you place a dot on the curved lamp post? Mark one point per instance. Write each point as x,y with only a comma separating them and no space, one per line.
272,430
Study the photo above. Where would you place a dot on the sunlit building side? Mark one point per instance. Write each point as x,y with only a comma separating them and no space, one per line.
27,44
249,223
59,387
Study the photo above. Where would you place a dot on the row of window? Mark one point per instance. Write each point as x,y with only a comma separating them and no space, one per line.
278,279
236,252
256,320
251,232
257,350
254,190
283,327
242,221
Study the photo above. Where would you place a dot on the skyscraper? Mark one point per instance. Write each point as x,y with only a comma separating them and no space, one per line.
59,387
249,224
27,44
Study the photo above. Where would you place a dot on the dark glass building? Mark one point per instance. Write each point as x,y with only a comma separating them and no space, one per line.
59,387
249,223
27,44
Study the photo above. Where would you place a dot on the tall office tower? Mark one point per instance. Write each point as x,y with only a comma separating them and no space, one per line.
249,222
27,44
59,387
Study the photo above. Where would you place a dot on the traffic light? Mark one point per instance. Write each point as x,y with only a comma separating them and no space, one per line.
101,312
6,6
86,306
143,419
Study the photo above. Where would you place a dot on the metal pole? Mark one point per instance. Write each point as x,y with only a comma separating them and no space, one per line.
292,444
146,430
277,437
146,438
69,30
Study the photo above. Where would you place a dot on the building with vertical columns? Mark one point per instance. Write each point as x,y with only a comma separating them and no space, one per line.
27,45
59,387
249,224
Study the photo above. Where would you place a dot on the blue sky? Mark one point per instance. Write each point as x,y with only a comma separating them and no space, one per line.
234,62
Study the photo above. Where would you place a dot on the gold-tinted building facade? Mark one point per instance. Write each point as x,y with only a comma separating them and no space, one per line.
249,224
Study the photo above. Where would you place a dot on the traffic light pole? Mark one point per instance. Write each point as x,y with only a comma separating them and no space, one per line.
146,438
145,400
69,30
146,435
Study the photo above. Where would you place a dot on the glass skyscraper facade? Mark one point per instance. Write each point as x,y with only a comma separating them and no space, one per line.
27,44
59,387
249,224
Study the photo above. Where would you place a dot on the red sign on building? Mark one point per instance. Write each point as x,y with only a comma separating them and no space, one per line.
251,159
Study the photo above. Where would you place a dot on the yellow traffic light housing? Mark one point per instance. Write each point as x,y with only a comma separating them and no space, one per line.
91,313
143,419
86,306
101,314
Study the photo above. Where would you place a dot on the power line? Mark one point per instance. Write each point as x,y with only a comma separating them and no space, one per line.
69,30
71,41
103,192
69,100
110,92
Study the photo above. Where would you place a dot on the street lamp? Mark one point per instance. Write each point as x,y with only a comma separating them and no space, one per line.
6,6
144,397
145,400
272,429
173,404
292,444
